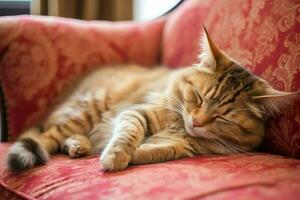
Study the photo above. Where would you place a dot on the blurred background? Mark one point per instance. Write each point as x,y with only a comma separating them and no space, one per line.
113,10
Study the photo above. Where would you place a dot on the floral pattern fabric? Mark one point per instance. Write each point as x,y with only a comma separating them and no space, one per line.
263,35
40,56
248,176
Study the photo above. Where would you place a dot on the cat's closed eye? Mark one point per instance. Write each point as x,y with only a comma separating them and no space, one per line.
199,99
223,120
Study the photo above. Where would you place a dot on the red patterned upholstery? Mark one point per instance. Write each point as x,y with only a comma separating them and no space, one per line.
39,56
264,35
253,176
42,55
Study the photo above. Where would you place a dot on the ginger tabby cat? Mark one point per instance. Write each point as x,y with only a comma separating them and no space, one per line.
135,115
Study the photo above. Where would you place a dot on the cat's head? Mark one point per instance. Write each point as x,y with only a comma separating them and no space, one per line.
224,101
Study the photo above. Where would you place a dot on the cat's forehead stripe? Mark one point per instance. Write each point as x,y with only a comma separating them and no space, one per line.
231,84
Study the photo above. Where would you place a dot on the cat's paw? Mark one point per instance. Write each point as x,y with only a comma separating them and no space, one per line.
76,146
115,160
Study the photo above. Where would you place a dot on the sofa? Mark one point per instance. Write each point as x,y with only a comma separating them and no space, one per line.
40,56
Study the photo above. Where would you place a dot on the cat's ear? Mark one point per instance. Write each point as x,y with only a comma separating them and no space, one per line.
211,56
274,101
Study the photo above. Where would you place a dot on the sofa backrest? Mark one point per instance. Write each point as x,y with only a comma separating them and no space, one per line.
40,56
263,35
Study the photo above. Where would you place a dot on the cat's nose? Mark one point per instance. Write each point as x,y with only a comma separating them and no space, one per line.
196,123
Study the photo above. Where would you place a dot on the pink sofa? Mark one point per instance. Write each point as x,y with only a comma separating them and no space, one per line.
40,56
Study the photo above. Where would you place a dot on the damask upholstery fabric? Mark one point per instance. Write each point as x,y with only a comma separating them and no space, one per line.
42,55
249,176
263,35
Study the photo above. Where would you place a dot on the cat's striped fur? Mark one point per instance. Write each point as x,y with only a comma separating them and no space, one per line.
137,115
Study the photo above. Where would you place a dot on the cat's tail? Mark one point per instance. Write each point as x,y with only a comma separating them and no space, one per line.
27,152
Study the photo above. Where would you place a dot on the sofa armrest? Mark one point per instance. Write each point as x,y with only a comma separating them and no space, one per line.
41,55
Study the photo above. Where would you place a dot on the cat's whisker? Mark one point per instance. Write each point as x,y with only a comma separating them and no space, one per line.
169,108
242,109
226,144
214,139
177,103
234,145
229,146
217,142
177,100
180,104
249,109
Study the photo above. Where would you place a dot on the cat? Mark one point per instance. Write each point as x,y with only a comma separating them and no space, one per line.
135,115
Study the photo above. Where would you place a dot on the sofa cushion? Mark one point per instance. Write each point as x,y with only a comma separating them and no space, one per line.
40,56
263,35
255,176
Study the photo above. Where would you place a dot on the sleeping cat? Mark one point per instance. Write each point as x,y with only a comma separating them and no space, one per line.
135,115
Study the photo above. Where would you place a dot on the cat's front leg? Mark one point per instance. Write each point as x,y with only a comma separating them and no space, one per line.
164,146
130,127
